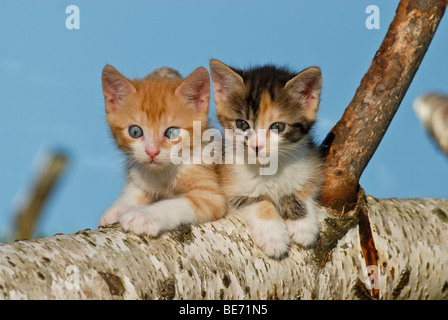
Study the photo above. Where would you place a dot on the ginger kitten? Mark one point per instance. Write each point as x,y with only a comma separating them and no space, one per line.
147,118
273,110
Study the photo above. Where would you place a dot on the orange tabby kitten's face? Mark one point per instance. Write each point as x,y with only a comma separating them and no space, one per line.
148,117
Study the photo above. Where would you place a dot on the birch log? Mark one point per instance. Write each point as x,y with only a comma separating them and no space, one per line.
219,261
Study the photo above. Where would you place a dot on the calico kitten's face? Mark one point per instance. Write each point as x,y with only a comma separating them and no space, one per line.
148,117
272,107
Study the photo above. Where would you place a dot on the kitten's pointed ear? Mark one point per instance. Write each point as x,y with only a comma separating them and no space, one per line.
196,89
224,79
115,88
305,88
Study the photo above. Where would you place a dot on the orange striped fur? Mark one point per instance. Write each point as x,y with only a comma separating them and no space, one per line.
160,196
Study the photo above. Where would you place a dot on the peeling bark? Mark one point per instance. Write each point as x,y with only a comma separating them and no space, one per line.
353,140
368,246
219,261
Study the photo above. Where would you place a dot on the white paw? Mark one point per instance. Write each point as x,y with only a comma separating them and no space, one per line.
272,237
141,221
112,215
304,231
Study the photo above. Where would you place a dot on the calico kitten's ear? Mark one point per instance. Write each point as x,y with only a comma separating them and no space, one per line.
224,79
115,88
196,89
305,88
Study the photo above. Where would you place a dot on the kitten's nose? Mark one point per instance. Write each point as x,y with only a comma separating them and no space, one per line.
257,142
257,148
152,153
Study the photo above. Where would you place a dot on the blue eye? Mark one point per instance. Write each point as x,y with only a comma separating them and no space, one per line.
172,133
241,124
279,126
135,132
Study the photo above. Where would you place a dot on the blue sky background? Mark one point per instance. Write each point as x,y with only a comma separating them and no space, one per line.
51,96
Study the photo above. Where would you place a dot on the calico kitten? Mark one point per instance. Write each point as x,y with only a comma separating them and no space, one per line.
280,206
147,118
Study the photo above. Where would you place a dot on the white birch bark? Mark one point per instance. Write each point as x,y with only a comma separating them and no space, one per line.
219,261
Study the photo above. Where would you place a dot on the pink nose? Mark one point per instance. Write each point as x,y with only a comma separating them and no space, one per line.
152,153
257,147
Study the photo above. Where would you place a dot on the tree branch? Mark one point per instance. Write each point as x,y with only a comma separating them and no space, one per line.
28,214
353,140
432,110
219,261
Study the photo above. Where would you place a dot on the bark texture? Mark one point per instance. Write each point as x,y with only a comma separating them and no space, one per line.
219,260
353,140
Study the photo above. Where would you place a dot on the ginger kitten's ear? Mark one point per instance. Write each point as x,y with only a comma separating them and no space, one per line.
115,88
305,88
224,79
196,89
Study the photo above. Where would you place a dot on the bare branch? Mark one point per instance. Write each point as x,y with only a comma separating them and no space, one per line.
432,110
28,214
353,140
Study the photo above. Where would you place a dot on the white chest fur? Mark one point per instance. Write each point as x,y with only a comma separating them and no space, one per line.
155,182
289,178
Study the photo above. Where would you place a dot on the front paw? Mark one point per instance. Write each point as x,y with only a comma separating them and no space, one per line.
304,231
272,237
112,215
141,222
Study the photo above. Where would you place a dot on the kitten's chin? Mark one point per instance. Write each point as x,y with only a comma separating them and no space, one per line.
262,160
154,165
